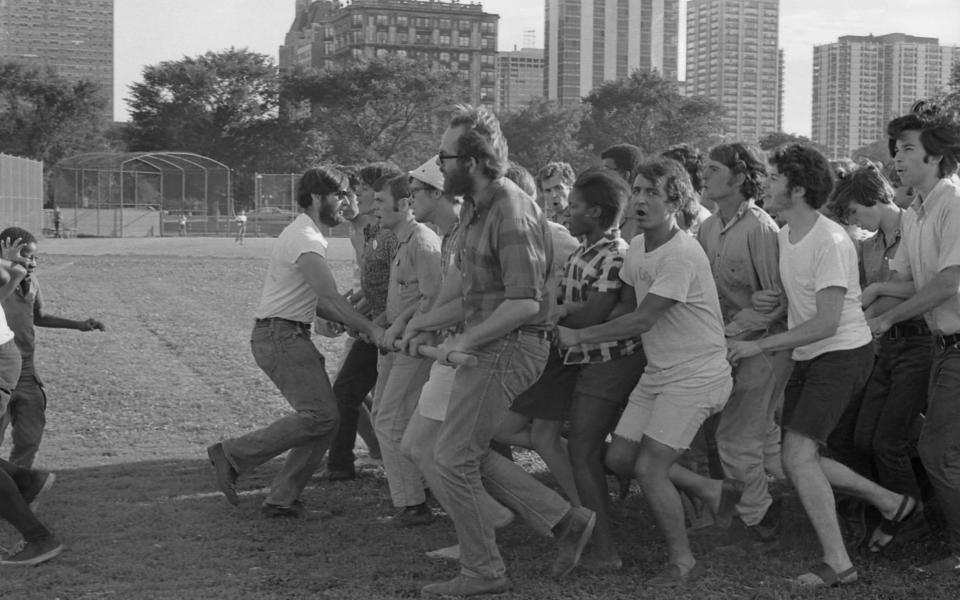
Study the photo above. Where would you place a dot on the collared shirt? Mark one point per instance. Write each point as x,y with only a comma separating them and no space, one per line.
415,274
875,256
21,308
448,249
744,257
589,270
379,249
504,253
286,293
931,243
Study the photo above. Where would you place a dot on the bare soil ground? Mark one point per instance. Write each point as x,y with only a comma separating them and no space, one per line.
131,411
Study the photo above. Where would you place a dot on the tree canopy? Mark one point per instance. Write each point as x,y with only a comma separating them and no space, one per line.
543,131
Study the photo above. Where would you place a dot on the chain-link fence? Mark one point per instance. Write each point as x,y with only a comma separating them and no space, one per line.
21,194
275,199
137,194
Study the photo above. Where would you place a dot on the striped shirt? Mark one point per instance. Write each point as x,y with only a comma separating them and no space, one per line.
589,270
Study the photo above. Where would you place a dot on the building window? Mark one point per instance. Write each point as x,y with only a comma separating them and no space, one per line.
464,41
383,20
403,22
444,40
445,24
465,26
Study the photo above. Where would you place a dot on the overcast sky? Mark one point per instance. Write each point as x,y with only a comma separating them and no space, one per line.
151,31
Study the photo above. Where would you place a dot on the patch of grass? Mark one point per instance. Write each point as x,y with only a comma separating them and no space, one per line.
131,411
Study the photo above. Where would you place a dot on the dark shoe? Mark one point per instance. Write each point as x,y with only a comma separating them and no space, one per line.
338,475
768,528
674,576
823,575
464,585
225,473
945,566
413,516
33,553
43,481
575,534
731,491
271,511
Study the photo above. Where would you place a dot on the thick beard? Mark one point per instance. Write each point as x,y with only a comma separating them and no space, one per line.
329,214
458,183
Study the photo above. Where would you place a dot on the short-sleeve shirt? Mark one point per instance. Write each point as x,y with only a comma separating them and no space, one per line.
379,249
286,293
744,257
931,243
595,269
824,258
21,308
415,274
686,349
504,253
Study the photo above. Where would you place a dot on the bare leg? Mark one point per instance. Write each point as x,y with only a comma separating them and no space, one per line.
654,470
550,445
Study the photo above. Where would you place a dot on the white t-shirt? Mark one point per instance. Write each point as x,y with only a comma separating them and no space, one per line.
685,348
825,257
286,293
6,334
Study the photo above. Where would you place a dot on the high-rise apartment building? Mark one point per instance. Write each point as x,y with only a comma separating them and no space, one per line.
73,37
445,34
519,78
860,83
592,41
733,58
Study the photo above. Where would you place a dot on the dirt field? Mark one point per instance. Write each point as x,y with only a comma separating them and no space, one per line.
131,411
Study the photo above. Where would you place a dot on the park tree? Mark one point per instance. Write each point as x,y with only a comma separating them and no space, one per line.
385,108
45,117
543,131
648,111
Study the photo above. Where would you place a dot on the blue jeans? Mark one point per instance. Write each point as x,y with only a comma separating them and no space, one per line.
939,441
479,401
287,355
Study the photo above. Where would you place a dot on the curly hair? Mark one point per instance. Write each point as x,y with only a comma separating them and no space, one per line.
564,170
939,134
481,138
865,186
626,156
321,181
521,176
692,161
18,233
676,181
804,166
742,159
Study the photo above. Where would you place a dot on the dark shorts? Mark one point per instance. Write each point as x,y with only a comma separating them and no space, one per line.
820,389
550,397
611,381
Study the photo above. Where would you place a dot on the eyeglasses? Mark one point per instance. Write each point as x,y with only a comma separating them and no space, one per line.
441,156
419,188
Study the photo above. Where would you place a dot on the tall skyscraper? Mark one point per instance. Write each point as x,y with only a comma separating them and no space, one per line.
519,78
73,37
733,57
860,83
443,33
592,41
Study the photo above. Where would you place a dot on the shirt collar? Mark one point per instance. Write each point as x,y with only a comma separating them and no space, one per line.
922,205
744,207
407,231
606,238
484,199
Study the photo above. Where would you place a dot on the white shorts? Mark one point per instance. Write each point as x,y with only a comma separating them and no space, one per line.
671,418
435,395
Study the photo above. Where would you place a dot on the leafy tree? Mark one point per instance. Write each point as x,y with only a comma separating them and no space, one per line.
775,139
45,117
380,109
648,111
543,131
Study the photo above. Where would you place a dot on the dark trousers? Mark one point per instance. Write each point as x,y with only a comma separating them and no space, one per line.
356,378
940,437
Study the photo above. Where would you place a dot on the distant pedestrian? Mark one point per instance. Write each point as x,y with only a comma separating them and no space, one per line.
183,224
241,221
26,414
56,222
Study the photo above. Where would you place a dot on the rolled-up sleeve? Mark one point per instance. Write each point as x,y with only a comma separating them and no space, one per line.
765,255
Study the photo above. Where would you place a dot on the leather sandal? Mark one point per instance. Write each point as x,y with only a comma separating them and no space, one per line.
827,576
906,512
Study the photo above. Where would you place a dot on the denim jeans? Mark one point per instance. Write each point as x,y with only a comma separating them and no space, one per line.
287,355
939,439
479,401
895,396
357,377
401,377
743,425
26,415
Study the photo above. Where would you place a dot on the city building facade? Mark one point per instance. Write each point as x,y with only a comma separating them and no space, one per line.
445,34
734,58
860,83
519,78
588,42
74,38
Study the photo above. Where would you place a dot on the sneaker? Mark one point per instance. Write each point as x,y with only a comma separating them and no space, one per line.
44,481
272,511
33,553
768,528
574,537
413,516
224,472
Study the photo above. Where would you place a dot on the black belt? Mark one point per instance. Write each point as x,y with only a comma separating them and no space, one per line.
299,324
905,330
946,341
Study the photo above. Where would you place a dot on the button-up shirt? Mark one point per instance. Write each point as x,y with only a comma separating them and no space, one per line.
744,257
415,274
931,243
504,253
591,270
